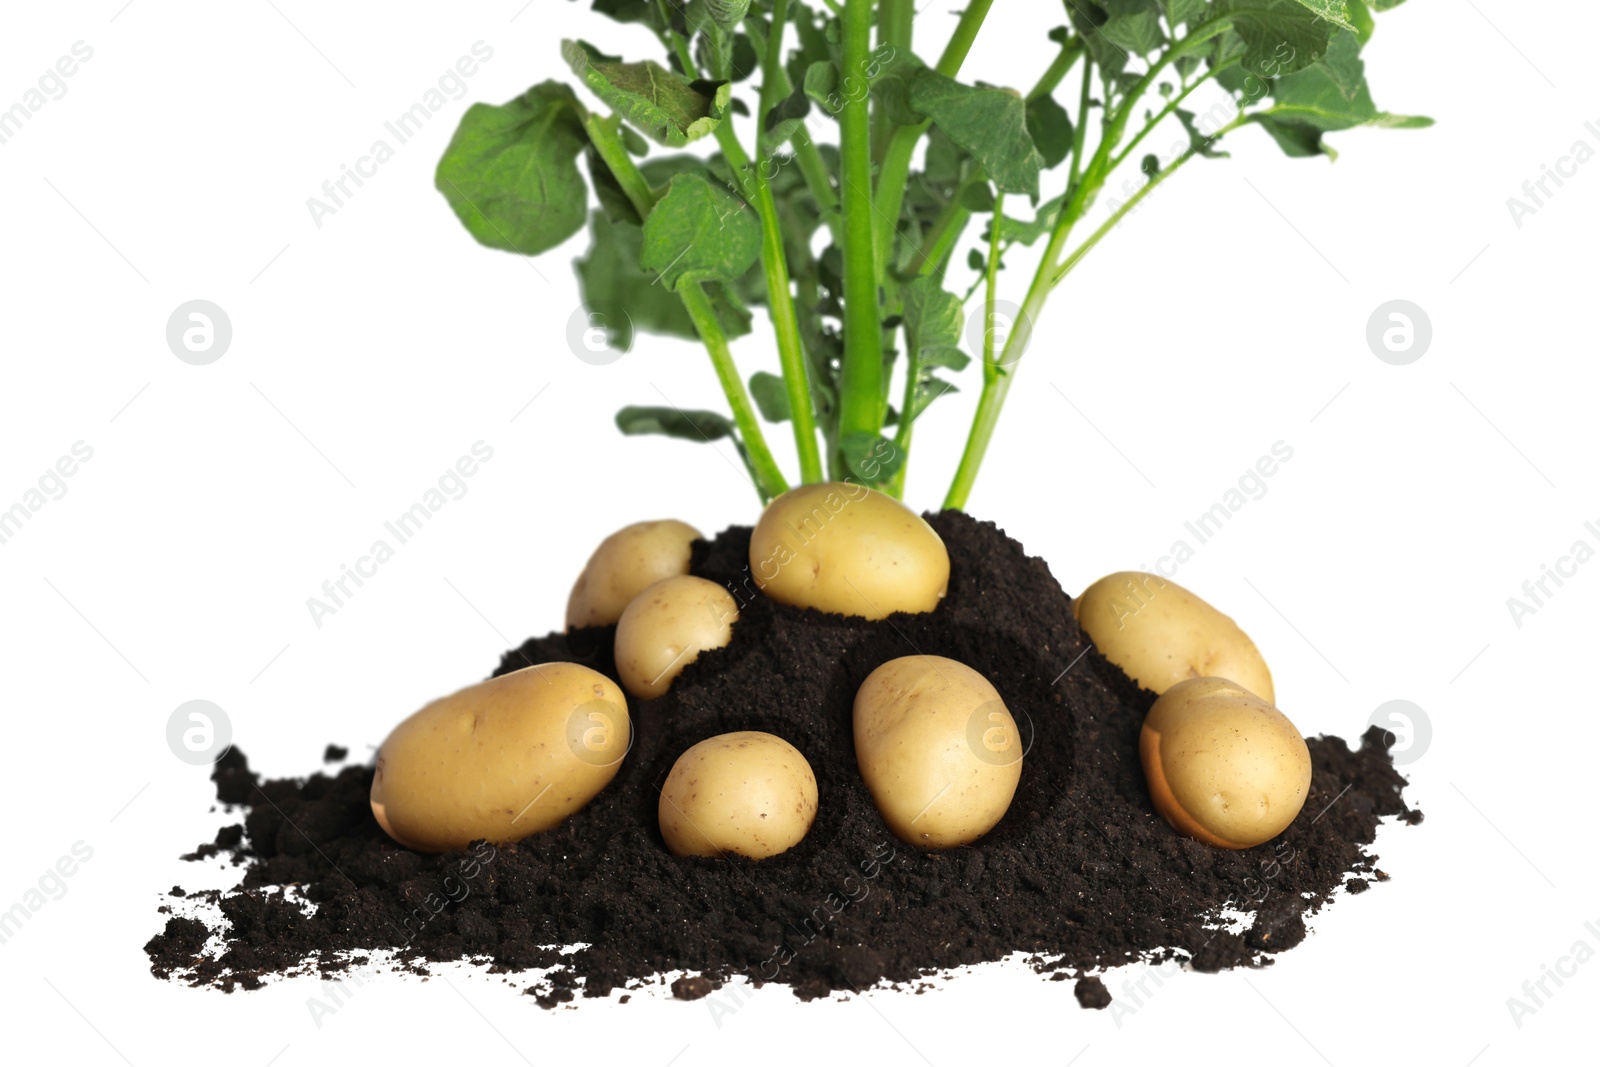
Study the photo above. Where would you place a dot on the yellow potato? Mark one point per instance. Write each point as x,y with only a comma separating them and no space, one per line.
849,550
745,792
625,563
667,627
1159,633
501,759
938,749
1224,766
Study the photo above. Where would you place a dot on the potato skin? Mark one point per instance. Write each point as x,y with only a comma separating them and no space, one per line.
1224,766
842,548
747,792
501,759
938,749
624,564
665,629
1159,633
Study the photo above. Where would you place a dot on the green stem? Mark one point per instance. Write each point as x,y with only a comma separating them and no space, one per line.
1057,70
895,170
769,479
992,399
1080,132
991,370
1172,106
861,396
774,264
764,470
1118,215
894,30
603,135
819,180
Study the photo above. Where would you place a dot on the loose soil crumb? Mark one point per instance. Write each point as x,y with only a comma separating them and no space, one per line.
1092,993
1081,874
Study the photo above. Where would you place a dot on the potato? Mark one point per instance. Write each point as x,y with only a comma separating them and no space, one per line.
1159,633
501,759
846,549
665,629
629,560
745,792
1224,766
938,749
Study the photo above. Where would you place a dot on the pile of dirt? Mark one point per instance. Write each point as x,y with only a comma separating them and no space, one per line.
1079,876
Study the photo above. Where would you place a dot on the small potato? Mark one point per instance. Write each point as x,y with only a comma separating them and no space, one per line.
1224,766
501,759
1159,633
667,627
745,792
625,563
938,750
846,549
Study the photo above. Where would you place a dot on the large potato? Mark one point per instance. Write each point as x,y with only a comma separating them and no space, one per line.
1223,765
625,563
745,792
1159,633
667,627
501,759
938,750
846,549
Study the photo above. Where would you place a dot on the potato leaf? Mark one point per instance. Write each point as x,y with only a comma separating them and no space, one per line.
687,425
511,174
1051,129
871,457
669,108
1333,11
610,279
1186,12
771,398
699,231
988,122
1279,36
1331,94
1138,31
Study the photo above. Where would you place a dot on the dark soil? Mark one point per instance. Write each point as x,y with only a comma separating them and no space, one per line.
1079,876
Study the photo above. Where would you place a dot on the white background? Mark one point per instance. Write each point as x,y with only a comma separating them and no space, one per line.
368,354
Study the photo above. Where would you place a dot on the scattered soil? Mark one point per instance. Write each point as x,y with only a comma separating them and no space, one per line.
1080,875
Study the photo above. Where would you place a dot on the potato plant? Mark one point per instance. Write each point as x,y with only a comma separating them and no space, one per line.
862,166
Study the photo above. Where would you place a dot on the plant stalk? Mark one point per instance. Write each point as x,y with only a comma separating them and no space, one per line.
861,397
895,170
764,470
769,480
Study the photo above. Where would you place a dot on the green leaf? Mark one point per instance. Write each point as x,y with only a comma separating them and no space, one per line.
1333,11
934,321
669,108
771,398
821,85
1087,19
1361,19
699,231
510,172
674,422
630,10
1387,121
989,123
1331,94
1297,139
871,457
611,280
1199,140
1186,12
1279,36
1139,32
1025,232
1051,129
727,13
